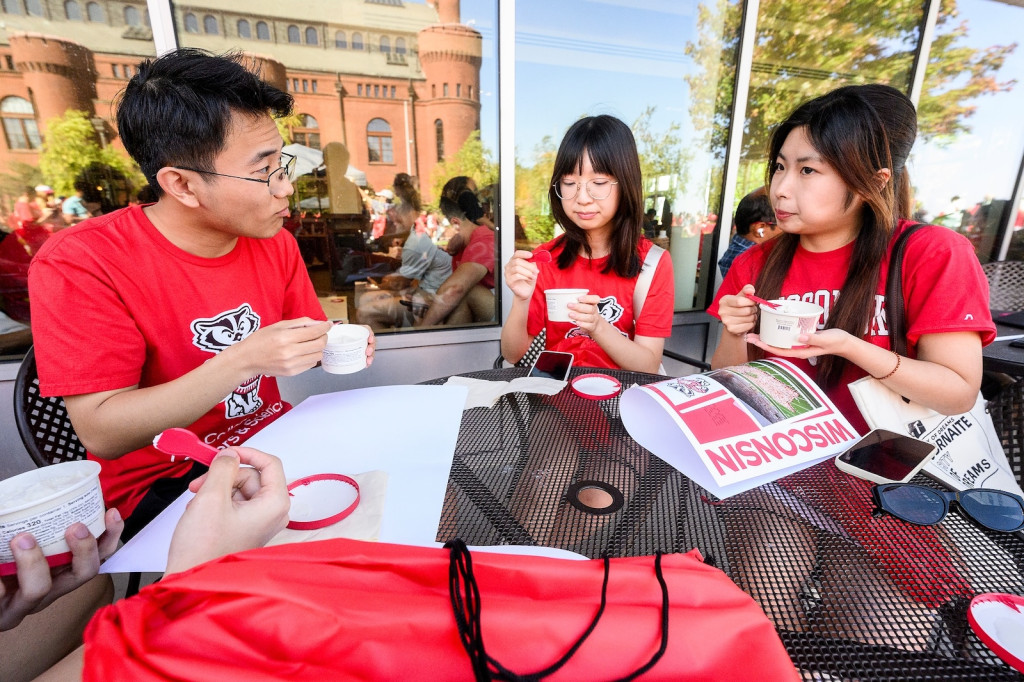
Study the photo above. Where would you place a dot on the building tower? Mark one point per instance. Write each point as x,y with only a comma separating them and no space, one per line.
448,108
60,74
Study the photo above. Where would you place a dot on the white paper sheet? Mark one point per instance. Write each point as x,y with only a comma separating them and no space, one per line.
408,431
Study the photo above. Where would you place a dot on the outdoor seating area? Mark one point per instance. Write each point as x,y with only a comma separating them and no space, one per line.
511,340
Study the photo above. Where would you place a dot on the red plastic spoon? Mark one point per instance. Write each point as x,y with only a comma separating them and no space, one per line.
540,256
185,444
758,299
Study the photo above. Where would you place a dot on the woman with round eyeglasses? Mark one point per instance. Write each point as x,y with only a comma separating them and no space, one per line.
596,198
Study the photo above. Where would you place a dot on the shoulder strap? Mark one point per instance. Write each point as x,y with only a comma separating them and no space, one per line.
643,282
895,305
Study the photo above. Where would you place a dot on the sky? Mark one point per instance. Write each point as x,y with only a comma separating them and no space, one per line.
583,57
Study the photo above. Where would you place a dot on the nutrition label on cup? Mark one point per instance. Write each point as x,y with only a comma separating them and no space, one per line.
48,526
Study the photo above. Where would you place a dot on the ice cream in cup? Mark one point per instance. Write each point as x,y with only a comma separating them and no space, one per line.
559,300
346,348
781,326
44,502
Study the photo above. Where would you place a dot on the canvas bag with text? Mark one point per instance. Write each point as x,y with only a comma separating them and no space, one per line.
969,452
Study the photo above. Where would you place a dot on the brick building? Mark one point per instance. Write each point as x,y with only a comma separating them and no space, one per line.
398,83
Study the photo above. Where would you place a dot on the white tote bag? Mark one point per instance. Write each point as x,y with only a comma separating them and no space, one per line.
969,453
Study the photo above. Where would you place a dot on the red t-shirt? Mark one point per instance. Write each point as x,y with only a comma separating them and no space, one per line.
115,304
943,284
479,249
616,304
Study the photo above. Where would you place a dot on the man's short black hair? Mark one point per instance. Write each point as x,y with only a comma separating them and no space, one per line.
176,109
756,207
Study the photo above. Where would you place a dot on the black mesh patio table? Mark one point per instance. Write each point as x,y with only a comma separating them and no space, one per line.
853,595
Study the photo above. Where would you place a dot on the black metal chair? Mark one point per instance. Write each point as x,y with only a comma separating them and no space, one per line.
529,357
1005,284
46,429
43,423
1007,410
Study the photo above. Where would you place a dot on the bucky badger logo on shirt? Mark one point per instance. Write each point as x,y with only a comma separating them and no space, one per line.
214,334
608,308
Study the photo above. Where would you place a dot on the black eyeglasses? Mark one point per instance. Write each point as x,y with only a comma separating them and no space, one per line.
918,504
275,182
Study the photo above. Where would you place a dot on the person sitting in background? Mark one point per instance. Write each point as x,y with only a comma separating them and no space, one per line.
74,208
754,223
472,281
421,258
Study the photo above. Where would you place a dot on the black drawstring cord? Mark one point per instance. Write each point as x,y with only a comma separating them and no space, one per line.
466,607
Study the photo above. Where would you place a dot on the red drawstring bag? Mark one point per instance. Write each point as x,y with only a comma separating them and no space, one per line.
350,610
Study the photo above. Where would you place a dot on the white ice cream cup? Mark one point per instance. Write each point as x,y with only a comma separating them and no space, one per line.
781,326
346,348
44,502
559,300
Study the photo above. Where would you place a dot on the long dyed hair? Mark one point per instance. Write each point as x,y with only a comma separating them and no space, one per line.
857,130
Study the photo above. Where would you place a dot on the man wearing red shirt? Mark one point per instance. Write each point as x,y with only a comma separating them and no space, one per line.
179,313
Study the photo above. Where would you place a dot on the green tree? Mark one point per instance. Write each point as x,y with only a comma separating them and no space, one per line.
532,192
661,151
805,48
472,160
71,148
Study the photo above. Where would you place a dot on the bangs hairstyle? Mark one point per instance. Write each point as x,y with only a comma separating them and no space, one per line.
848,133
176,109
609,144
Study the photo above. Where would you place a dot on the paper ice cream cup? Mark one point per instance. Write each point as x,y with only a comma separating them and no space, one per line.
44,502
781,326
559,300
346,349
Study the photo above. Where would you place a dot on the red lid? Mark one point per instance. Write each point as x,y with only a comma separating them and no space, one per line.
54,560
998,620
595,386
321,500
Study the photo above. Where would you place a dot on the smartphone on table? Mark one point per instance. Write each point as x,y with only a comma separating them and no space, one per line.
552,364
886,457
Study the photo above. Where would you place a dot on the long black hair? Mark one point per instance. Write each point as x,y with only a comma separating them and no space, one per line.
609,144
854,138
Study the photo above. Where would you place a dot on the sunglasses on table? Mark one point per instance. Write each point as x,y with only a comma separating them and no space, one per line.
917,504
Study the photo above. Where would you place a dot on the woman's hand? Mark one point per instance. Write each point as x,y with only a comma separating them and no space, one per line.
586,315
521,275
824,342
234,509
738,313
37,585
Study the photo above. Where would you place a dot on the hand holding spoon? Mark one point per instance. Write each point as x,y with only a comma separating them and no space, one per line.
758,299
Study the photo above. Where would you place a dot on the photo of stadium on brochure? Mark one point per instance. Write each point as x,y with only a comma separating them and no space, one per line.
767,390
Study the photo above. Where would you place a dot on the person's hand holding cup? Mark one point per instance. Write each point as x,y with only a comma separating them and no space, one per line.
558,301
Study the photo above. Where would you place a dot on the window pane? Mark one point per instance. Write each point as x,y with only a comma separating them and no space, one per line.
73,100
392,133
210,25
970,140
244,30
191,23
131,16
666,70
12,7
